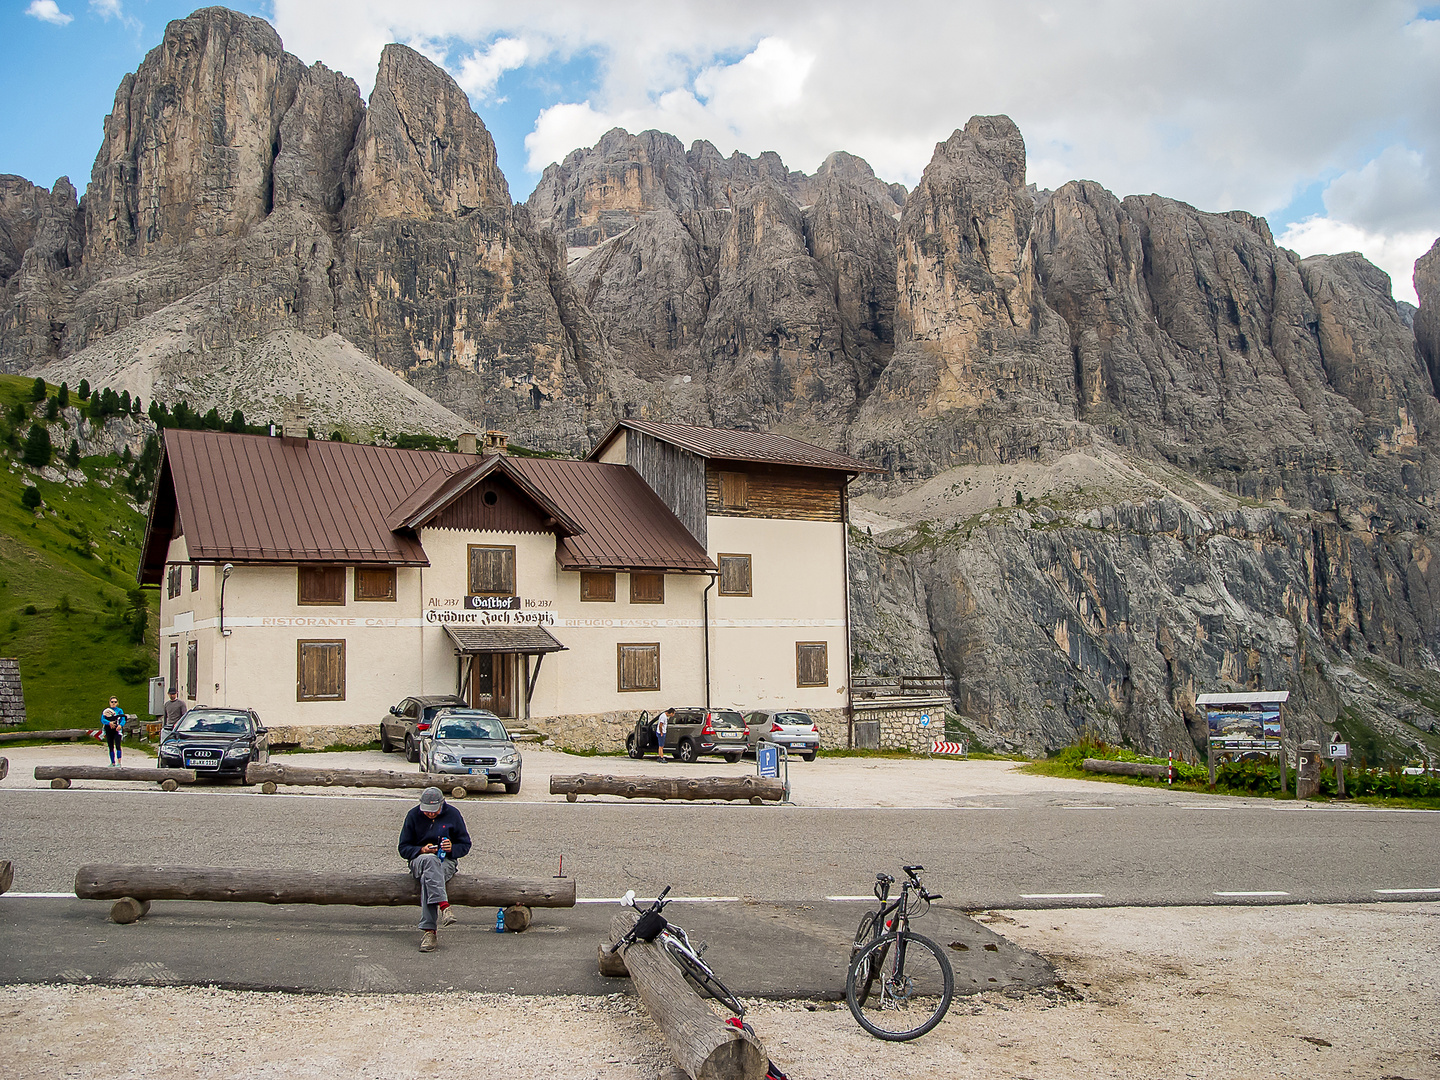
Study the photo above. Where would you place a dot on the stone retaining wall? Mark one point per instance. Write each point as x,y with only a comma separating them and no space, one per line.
12,699
899,719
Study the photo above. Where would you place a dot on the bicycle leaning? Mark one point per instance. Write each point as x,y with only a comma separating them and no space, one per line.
673,941
899,984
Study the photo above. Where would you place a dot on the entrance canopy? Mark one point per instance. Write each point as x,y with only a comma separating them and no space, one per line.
528,640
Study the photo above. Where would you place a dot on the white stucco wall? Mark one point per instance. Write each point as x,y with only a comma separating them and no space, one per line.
797,573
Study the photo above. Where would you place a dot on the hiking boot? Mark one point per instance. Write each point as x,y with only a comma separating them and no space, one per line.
447,915
427,941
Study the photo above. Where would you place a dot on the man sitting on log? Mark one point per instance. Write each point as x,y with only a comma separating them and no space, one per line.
433,840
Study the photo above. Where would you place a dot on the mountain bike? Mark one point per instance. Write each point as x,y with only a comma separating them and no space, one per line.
899,984
673,941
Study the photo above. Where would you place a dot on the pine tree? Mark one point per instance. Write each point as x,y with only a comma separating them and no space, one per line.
37,392
72,456
64,395
37,446
83,390
52,409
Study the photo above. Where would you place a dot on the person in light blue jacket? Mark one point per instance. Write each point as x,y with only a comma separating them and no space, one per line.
112,726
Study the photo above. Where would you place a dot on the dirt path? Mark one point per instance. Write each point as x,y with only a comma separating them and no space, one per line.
1234,993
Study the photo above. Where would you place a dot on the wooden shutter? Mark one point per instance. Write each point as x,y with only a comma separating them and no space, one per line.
812,663
734,491
375,583
192,673
734,575
174,667
492,571
172,582
320,671
647,588
322,585
597,586
639,667
194,576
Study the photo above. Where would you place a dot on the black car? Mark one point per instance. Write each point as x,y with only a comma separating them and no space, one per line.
691,732
412,717
216,742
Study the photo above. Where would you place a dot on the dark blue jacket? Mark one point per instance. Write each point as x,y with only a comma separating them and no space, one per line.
420,830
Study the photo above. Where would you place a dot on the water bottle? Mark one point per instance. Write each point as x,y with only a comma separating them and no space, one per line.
500,920
439,850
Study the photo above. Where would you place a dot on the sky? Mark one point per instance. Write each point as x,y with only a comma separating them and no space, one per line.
1321,115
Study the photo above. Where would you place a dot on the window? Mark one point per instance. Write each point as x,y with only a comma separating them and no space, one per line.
172,582
322,585
597,586
492,571
321,671
734,575
734,491
639,667
647,588
192,669
812,663
174,683
376,583
194,576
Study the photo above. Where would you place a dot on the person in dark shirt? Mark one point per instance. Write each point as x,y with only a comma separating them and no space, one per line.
433,840
174,712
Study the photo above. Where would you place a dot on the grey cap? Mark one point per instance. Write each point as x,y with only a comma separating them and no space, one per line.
432,798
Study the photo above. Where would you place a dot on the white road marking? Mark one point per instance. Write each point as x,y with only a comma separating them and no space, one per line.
1061,895
1392,892
40,895
868,899
641,900
1252,894
1083,806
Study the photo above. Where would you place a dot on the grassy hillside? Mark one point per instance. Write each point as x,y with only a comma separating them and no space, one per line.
67,580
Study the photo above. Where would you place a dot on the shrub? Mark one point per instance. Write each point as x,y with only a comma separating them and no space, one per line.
30,498
30,610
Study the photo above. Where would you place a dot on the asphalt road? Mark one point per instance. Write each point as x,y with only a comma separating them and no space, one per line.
777,880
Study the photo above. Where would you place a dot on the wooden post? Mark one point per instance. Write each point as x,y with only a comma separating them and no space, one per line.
52,735
700,1042
517,918
127,910
111,772
102,882
60,782
1124,768
665,787
7,876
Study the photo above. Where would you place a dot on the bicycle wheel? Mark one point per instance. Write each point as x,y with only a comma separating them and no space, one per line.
912,986
701,977
863,935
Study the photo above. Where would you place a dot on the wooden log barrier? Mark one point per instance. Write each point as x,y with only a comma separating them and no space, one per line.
457,785
700,1041
52,735
4,767
7,876
145,883
1124,768
66,773
753,788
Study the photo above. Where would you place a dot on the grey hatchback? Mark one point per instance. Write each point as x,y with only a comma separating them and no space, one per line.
411,718
794,730
472,742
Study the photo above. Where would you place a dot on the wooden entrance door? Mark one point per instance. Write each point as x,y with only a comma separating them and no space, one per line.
492,683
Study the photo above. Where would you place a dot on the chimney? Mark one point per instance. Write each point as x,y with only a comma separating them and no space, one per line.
466,443
495,442
296,413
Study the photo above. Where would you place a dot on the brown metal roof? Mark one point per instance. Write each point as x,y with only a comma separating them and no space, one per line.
732,445
255,498
626,525
438,492
503,639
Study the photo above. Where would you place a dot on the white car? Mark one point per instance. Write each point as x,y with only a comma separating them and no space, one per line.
794,730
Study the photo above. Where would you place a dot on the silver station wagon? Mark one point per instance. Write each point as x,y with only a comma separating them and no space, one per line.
472,742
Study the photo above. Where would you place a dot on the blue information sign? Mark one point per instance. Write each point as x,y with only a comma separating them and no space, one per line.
767,760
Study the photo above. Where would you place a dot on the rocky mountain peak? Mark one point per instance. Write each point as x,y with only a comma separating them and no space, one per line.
421,152
1427,318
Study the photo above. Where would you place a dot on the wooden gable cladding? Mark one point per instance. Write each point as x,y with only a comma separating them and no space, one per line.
493,505
772,491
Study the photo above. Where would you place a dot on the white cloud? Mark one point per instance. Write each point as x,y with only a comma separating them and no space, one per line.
107,9
48,11
1393,252
481,70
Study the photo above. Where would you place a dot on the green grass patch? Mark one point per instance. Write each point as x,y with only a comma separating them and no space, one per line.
67,573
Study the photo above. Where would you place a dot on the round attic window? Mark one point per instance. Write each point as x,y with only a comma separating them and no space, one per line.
491,498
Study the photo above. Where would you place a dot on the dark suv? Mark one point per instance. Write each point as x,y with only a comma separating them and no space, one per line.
402,727
692,732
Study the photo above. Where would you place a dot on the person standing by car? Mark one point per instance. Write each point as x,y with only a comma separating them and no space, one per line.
433,840
662,721
112,727
173,711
